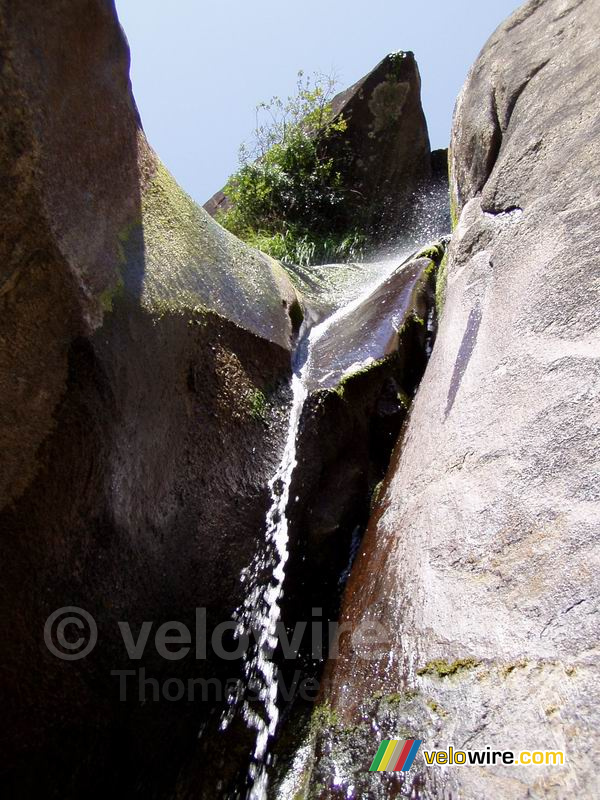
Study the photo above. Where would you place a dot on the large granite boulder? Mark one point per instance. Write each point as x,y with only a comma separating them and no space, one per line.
481,562
144,358
383,155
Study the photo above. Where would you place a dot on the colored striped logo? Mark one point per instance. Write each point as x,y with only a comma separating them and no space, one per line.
395,755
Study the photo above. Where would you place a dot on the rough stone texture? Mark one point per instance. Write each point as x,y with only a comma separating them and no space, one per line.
383,156
144,354
384,151
482,559
74,168
362,378
365,371
347,432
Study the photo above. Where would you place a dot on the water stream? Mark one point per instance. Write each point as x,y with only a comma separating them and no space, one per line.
261,612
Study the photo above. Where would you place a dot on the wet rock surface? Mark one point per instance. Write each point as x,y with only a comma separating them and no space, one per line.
325,288
350,423
144,385
373,329
347,432
481,560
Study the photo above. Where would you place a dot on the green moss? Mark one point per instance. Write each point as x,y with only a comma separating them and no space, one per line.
454,215
386,103
258,405
441,668
436,708
375,495
172,246
324,716
108,296
430,269
412,319
342,386
167,208
396,698
435,252
393,699
404,399
125,237
180,258
440,285
184,305
507,669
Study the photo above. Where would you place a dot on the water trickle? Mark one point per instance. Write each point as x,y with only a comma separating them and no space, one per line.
261,612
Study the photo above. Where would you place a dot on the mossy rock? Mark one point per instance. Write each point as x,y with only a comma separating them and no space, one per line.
440,668
177,259
440,285
434,252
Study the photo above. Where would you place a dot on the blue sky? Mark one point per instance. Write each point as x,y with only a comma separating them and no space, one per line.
199,67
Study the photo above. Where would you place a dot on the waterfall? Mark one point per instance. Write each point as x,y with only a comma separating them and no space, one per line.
261,612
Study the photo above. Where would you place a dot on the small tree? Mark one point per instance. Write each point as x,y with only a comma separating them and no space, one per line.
287,194
308,110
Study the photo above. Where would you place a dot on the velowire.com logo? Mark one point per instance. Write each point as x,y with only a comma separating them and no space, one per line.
395,755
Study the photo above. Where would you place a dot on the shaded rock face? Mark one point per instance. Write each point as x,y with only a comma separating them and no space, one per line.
384,154
346,435
350,422
58,238
366,370
481,560
143,369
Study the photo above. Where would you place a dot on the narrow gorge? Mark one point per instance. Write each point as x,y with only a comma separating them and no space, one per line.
300,509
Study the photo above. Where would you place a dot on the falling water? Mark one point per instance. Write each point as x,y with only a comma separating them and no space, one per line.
261,611
264,577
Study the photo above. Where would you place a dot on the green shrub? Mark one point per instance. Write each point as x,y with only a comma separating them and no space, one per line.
287,197
296,246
